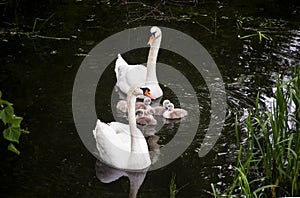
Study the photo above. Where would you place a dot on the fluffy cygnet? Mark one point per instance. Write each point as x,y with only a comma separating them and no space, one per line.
159,110
143,119
122,105
174,113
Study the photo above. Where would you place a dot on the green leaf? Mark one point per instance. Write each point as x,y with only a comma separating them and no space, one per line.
0,95
247,36
267,37
12,134
12,148
6,103
264,187
6,114
25,131
259,36
16,121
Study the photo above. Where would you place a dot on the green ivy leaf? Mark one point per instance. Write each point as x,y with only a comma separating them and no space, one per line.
12,134
6,114
13,122
12,148
16,121
4,102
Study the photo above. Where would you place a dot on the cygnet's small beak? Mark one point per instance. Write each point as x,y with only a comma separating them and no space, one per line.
151,39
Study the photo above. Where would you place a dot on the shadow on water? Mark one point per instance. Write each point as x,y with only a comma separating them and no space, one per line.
37,75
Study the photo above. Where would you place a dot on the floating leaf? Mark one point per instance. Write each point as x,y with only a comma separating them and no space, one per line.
6,113
12,148
12,134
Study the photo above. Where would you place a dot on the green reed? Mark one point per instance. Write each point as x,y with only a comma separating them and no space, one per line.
241,186
270,158
173,187
275,134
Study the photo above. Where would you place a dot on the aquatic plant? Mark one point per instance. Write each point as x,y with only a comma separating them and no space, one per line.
275,133
11,124
269,165
259,32
241,185
173,188
34,33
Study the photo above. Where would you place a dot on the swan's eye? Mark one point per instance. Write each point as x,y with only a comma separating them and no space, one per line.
145,89
153,33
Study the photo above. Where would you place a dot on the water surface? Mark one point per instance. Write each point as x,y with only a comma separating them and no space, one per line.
37,75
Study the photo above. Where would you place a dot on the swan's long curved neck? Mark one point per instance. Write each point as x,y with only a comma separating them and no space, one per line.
151,63
131,99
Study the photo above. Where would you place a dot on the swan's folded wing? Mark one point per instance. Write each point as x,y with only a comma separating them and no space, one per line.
129,75
121,67
136,74
120,61
122,131
107,139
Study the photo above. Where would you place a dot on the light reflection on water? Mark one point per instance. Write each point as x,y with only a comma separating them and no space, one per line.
37,76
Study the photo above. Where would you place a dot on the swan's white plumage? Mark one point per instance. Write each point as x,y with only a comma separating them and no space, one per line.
113,144
120,62
122,146
129,75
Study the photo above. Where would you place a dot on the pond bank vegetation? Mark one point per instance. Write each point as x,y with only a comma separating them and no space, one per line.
268,163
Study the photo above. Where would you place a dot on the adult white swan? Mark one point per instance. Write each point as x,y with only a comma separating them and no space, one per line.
129,75
124,146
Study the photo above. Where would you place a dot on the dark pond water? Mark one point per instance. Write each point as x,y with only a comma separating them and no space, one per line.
37,75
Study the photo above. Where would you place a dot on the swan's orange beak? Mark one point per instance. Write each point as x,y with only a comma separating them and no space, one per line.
151,39
149,95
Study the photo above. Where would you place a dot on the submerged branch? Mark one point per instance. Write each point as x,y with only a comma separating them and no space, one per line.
49,37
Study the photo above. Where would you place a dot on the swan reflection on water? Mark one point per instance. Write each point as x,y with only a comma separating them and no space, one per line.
108,174
170,124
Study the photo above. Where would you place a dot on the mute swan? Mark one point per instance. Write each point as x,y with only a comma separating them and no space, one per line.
122,105
143,119
129,75
176,113
107,174
123,146
159,110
